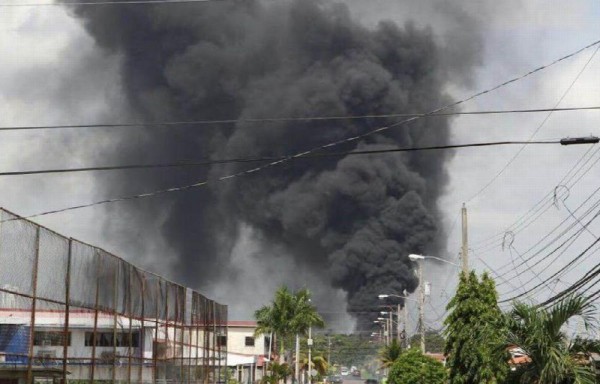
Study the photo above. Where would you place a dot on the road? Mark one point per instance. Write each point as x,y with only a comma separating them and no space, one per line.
353,380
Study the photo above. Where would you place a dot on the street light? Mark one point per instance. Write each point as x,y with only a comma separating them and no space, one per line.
414,257
405,297
418,259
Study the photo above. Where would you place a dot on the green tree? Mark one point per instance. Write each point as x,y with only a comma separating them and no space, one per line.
276,373
289,314
345,350
475,333
319,363
276,318
304,314
412,367
390,353
554,357
434,341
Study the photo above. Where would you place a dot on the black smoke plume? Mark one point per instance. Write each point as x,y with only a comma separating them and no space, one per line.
351,220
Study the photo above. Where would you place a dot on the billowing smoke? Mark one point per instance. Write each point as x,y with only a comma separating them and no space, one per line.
350,221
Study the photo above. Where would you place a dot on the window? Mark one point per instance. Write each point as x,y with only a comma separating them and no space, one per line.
221,341
249,341
108,339
50,338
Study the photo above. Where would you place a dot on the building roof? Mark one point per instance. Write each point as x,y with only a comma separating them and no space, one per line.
242,323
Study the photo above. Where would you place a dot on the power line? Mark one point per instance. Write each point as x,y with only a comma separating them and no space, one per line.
325,146
562,269
263,159
290,119
560,235
535,132
542,206
105,2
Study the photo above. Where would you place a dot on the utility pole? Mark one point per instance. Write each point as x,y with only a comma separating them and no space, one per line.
310,343
405,325
421,306
391,328
465,241
398,325
297,367
328,349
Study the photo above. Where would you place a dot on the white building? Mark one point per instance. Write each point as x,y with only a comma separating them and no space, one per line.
246,353
124,348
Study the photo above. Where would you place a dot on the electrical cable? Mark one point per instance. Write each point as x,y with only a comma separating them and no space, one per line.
568,241
535,132
560,235
543,205
263,159
104,2
286,119
586,279
529,217
566,266
556,276
322,147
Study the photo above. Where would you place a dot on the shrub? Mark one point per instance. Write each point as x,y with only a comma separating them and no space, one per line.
412,367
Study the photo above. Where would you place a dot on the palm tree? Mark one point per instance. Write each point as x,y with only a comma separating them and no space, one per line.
289,314
277,372
319,363
305,315
390,353
554,358
276,318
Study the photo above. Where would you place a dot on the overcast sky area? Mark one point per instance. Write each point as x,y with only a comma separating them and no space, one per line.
51,72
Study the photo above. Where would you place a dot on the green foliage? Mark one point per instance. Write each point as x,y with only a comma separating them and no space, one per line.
434,342
319,363
345,350
475,333
289,314
412,367
554,358
277,372
390,353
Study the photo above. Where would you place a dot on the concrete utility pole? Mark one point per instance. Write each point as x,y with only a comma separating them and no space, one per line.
465,241
310,343
329,349
391,328
405,325
421,306
297,367
398,335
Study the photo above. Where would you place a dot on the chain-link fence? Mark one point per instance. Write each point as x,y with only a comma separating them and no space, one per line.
74,313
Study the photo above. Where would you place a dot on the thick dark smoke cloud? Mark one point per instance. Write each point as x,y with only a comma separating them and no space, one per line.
351,220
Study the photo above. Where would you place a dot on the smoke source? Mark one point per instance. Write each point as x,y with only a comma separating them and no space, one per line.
350,221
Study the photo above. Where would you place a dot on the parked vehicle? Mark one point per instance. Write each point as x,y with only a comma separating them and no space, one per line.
371,381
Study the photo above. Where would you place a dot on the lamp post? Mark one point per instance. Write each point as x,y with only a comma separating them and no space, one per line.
418,259
383,322
405,297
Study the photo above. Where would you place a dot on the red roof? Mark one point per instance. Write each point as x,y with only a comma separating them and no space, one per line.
242,323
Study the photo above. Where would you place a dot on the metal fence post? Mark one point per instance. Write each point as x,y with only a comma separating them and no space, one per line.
67,310
33,306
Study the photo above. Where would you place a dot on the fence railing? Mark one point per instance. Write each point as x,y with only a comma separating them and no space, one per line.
74,313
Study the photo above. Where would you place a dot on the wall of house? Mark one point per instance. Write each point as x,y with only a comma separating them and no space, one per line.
236,341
